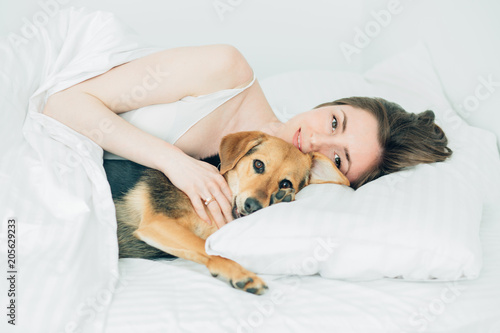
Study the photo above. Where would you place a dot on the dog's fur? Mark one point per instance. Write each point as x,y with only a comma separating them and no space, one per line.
155,219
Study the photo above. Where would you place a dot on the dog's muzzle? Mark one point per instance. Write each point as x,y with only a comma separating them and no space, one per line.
250,206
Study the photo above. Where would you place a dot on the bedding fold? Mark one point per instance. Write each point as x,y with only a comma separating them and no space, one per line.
57,191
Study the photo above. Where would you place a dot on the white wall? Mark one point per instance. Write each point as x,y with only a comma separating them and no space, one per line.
284,35
464,41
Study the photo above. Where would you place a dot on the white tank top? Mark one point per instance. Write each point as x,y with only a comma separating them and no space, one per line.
170,121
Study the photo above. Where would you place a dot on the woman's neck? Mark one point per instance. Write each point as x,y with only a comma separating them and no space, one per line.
254,113
272,127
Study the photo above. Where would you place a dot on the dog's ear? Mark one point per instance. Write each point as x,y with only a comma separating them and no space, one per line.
323,171
234,146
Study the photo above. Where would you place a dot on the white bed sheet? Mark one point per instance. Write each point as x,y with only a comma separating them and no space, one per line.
180,296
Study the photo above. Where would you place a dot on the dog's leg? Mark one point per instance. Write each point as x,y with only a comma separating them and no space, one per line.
171,236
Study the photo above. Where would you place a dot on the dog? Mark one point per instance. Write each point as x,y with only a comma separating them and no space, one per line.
157,220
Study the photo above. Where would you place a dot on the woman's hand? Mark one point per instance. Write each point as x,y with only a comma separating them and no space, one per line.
202,183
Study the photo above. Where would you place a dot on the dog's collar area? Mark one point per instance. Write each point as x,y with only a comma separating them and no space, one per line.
214,160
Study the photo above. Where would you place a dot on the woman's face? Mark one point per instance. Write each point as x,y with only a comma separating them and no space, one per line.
346,134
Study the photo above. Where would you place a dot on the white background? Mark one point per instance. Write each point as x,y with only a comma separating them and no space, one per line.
285,35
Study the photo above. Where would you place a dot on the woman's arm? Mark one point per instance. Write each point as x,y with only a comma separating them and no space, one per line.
165,77
168,76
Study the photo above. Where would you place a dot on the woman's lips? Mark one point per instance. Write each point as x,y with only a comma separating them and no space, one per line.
297,140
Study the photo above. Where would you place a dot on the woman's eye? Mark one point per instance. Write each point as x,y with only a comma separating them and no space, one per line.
334,123
258,166
337,161
285,184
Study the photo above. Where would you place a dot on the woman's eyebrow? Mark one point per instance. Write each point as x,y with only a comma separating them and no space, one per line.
344,122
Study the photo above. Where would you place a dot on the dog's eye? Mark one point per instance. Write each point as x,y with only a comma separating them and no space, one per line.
285,184
258,165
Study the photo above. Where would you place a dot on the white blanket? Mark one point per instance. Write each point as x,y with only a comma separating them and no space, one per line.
66,258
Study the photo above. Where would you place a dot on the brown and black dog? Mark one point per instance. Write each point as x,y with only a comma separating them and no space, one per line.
155,219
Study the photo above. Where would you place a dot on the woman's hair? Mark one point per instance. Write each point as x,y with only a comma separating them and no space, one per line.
406,139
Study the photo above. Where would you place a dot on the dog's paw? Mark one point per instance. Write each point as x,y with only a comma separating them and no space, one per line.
236,276
283,195
251,284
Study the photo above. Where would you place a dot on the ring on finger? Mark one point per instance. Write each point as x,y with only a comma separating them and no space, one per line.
209,200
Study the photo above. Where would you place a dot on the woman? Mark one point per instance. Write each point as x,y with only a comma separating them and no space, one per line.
365,137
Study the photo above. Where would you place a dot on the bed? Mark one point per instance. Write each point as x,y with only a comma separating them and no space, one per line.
416,251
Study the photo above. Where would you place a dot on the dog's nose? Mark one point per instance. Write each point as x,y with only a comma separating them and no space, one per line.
252,205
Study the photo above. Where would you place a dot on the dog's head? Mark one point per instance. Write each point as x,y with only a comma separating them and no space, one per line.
262,170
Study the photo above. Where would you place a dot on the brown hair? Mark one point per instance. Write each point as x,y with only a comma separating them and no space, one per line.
406,139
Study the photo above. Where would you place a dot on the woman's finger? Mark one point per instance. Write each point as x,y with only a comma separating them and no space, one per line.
215,210
225,199
199,208
225,208
224,187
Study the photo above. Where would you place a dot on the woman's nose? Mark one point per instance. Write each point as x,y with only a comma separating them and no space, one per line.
322,143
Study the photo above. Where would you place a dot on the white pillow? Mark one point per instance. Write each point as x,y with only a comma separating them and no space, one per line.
417,224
